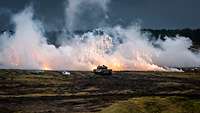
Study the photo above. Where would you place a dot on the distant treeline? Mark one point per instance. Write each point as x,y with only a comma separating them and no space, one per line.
193,34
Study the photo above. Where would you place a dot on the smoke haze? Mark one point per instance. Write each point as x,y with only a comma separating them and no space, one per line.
117,47
93,12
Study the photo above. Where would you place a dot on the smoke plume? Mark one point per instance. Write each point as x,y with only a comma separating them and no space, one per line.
84,14
119,48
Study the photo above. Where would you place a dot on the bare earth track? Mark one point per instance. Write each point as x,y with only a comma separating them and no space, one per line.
51,92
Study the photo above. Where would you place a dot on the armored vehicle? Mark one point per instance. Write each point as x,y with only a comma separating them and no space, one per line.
102,70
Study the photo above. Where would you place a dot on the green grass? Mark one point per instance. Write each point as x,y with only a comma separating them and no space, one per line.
155,105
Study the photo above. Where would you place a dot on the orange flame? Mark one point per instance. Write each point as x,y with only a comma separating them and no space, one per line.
46,67
116,65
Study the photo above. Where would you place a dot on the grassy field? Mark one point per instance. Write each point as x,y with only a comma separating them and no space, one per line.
172,104
84,92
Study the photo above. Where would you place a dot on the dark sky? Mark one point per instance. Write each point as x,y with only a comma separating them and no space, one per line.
154,14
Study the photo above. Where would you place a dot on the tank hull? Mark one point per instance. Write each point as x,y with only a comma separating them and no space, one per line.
103,71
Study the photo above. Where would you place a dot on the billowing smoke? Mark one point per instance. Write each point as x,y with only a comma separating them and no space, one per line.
117,47
85,14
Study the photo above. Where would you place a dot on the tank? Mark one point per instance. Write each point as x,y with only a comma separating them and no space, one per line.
102,70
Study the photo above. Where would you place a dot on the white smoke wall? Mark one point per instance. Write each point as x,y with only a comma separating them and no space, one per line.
117,47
